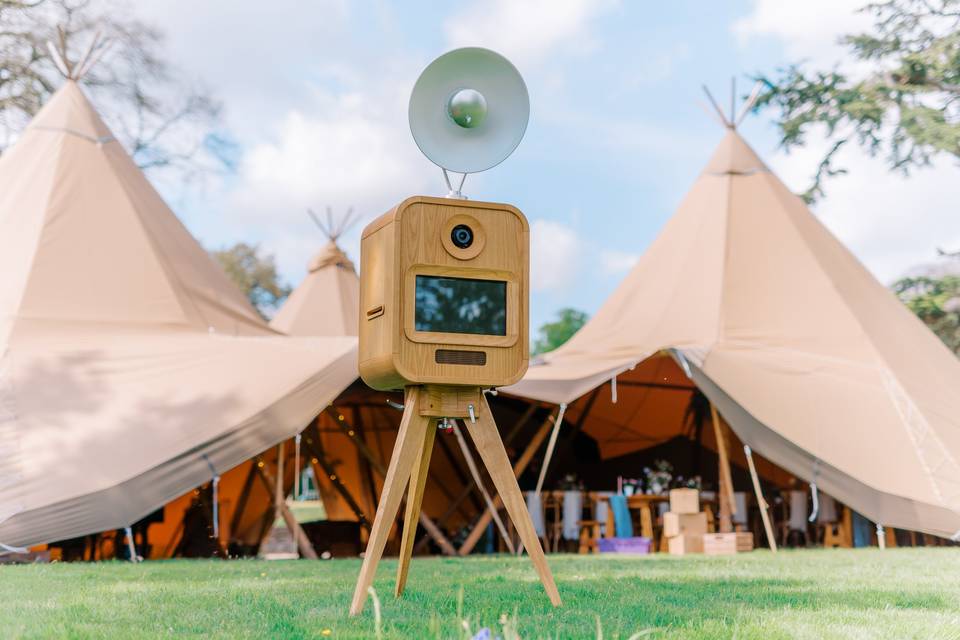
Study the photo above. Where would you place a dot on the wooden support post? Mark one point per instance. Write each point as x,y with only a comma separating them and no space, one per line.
761,503
487,440
518,468
410,441
418,480
728,506
471,463
423,405
303,542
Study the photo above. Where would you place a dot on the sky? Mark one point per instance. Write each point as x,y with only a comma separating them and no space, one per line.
315,95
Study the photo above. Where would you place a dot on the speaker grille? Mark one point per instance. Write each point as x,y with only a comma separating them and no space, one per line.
453,356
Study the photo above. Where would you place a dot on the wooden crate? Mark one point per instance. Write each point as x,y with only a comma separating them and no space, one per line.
684,501
684,544
719,544
675,524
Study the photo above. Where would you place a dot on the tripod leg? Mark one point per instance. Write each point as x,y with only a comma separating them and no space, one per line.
418,480
487,440
409,443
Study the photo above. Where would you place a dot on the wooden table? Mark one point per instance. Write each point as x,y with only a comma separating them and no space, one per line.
642,502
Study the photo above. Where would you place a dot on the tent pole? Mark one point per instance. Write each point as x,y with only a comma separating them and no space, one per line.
472,465
761,503
518,468
550,446
278,496
725,495
468,489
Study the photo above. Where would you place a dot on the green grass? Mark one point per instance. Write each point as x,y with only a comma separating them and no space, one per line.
901,593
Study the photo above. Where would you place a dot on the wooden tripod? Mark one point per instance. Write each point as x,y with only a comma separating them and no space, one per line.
424,406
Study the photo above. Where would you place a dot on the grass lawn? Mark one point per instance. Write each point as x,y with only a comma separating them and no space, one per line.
900,593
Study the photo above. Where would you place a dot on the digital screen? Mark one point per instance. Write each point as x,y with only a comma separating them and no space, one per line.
461,305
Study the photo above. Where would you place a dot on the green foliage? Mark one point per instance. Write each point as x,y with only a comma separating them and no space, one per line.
936,301
905,105
255,275
553,334
837,593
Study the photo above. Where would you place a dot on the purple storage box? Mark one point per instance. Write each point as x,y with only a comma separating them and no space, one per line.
635,544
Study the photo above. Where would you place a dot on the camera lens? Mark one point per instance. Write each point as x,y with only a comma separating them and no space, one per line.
462,236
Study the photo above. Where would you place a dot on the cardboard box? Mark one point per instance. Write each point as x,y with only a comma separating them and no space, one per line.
675,524
684,544
718,544
684,501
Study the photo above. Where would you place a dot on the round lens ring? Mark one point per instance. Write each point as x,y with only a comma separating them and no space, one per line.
462,236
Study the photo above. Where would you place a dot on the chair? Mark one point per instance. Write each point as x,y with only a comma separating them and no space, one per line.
741,520
795,520
590,529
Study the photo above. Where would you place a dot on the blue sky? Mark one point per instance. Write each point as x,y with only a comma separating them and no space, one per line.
315,95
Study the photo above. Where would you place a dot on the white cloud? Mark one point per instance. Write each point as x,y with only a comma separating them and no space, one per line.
555,251
614,262
807,30
527,32
889,221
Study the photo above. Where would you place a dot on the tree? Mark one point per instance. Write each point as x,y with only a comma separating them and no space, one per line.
164,122
936,301
255,275
906,104
553,334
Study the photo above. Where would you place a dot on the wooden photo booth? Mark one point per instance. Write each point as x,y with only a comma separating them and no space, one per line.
444,315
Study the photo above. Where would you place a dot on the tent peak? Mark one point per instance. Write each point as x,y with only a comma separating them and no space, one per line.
735,117
333,227
75,70
330,255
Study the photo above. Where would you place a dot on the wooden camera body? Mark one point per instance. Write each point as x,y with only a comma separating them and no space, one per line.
444,295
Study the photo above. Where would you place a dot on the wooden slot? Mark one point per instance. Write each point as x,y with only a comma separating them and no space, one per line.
457,356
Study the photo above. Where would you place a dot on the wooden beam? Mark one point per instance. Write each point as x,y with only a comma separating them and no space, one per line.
303,542
518,468
728,505
368,470
466,482
316,451
242,502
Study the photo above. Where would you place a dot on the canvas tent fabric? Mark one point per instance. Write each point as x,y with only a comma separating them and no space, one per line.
810,360
129,364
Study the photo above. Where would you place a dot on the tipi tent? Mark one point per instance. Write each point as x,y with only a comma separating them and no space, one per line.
327,302
810,360
130,367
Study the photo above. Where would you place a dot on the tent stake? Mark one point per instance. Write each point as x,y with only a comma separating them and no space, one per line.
761,503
